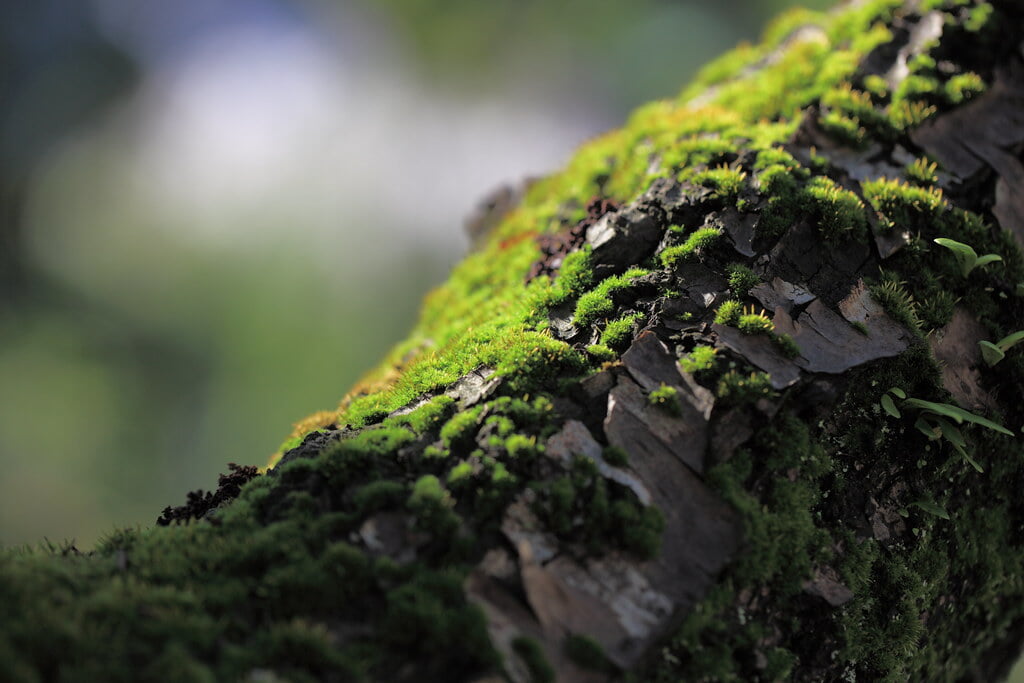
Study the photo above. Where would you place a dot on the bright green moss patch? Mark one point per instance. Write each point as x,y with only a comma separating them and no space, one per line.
601,353
426,417
597,303
725,181
904,205
729,312
701,359
701,239
922,172
840,213
461,427
750,322
618,333
741,279
667,399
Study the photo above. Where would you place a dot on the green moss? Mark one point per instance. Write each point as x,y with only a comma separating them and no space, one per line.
461,428
701,359
667,399
786,345
735,388
597,303
521,446
729,313
426,417
587,653
601,353
840,213
741,279
755,323
533,657
616,456
922,172
700,240
618,333
725,181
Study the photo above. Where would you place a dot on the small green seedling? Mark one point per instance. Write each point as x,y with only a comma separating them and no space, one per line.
993,353
966,256
936,420
932,508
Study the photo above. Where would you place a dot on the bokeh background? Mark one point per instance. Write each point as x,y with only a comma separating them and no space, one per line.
216,214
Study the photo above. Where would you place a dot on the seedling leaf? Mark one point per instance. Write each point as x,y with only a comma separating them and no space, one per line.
991,353
1010,340
898,393
986,259
888,406
932,508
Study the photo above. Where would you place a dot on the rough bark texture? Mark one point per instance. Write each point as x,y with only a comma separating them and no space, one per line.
708,405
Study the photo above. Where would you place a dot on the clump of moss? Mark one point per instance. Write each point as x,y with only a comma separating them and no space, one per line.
724,180
461,428
667,399
601,353
905,205
533,657
750,322
922,172
700,240
786,345
735,388
587,653
891,292
597,303
729,312
840,212
741,279
619,332
701,359
615,456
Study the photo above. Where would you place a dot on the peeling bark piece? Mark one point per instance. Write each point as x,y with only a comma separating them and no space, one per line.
924,33
623,237
760,352
738,226
640,602
963,147
681,202
521,526
575,439
827,341
387,534
651,364
730,432
781,294
825,585
637,426
701,284
509,619
802,256
956,348
473,387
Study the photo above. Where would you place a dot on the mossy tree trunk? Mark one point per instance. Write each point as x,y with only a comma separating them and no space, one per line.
710,404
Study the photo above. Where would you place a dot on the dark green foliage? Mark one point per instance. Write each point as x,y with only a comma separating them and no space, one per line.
532,655
587,653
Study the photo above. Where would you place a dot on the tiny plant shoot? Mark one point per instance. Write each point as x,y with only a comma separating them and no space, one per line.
936,420
966,256
993,353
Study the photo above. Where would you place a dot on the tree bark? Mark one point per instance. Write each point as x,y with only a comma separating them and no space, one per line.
710,404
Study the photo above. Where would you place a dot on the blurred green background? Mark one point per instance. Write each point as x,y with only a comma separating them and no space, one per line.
216,214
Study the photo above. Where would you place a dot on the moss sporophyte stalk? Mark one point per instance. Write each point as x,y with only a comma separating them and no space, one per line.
711,403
